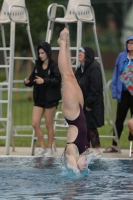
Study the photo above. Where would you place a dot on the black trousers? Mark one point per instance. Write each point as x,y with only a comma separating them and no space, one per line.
122,109
93,138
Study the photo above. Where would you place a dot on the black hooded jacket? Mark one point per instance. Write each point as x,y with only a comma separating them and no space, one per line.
90,82
50,90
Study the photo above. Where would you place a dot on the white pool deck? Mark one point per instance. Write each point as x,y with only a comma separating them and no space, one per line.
26,151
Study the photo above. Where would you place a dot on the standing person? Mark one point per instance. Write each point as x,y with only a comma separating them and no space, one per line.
46,80
72,102
120,92
89,78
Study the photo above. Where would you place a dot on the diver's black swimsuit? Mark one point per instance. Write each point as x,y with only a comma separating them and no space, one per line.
80,123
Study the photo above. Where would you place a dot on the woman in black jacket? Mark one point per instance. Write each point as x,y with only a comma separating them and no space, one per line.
89,78
46,80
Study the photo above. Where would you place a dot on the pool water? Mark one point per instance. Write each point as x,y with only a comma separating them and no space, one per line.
36,178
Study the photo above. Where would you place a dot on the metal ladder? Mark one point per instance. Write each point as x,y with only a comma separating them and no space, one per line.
80,11
12,12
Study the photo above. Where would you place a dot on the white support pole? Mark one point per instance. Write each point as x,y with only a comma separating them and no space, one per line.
5,52
130,150
79,39
31,43
10,86
105,85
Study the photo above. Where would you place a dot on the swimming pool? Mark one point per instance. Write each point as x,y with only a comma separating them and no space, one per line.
36,178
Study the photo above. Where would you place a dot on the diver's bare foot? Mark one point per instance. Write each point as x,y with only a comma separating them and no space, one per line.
59,41
63,36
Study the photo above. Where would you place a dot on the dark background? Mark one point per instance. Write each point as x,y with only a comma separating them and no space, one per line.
110,20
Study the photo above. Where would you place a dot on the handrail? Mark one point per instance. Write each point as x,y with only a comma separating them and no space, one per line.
77,15
19,21
50,7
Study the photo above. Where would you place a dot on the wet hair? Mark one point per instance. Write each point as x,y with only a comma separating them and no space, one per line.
91,157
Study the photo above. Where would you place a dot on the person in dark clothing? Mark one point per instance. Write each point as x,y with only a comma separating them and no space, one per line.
89,78
75,153
121,93
46,80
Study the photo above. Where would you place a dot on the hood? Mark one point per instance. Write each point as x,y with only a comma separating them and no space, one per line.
89,56
46,47
130,38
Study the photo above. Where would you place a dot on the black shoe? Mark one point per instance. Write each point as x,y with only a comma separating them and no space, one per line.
110,150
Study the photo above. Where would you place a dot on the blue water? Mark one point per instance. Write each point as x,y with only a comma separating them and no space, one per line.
30,178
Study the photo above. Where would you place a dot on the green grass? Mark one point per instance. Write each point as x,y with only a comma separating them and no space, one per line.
22,112
105,142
